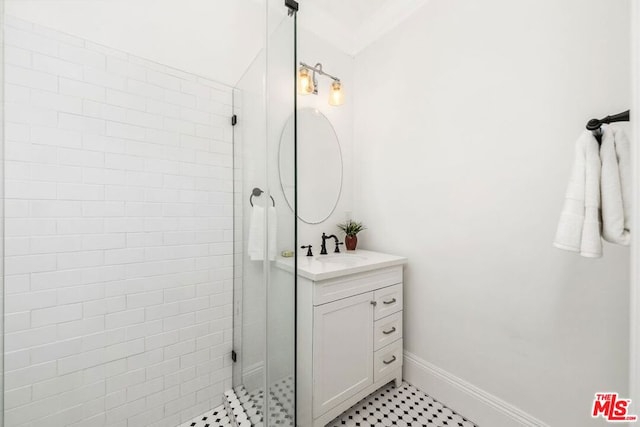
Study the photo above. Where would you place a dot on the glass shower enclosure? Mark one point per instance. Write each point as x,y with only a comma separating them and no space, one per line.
264,284
146,270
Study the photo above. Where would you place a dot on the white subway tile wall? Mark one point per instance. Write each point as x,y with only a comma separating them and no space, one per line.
119,236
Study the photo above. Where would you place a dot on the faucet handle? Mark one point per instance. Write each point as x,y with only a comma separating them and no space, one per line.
308,248
338,247
323,247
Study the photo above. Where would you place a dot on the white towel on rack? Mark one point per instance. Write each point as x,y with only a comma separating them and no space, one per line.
257,235
579,226
615,185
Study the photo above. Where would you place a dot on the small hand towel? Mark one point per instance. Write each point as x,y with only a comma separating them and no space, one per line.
579,225
256,240
273,232
615,186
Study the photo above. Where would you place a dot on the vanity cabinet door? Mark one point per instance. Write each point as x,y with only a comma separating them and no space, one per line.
342,350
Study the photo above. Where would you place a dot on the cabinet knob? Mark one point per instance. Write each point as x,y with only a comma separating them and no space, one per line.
374,303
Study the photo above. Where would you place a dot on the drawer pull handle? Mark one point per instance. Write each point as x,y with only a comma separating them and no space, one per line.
388,362
390,302
390,331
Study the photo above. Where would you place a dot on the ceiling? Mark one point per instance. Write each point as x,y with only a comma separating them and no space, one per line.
215,38
352,25
348,12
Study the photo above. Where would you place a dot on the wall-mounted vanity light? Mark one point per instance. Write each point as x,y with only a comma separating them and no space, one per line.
336,96
308,83
305,82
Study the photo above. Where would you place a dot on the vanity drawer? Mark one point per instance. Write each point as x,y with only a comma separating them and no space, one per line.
388,301
343,287
387,360
387,330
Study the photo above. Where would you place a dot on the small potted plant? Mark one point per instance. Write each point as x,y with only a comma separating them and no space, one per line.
351,229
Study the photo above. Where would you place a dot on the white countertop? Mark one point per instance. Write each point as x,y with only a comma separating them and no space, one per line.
323,267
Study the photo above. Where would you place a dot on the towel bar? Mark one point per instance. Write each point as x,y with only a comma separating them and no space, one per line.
594,124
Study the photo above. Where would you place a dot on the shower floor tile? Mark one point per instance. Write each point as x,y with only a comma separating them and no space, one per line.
281,396
215,418
280,407
403,406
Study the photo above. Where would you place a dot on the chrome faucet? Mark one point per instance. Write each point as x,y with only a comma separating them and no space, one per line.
323,248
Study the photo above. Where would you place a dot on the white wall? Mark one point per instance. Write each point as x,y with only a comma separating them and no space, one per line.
119,236
465,121
312,49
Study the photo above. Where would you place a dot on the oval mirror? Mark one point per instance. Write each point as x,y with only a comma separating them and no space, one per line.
319,166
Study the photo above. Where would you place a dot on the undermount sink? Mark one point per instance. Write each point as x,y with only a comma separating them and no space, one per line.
323,267
341,258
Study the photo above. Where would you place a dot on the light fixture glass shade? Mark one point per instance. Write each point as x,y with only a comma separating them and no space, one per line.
336,95
305,82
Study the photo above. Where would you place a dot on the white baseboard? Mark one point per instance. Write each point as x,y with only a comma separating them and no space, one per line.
475,404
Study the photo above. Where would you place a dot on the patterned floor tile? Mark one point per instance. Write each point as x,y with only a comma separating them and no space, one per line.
389,406
403,406
246,408
215,418
281,397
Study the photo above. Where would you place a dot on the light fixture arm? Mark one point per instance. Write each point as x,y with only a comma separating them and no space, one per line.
318,69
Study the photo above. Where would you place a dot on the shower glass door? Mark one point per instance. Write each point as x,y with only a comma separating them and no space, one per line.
281,278
264,279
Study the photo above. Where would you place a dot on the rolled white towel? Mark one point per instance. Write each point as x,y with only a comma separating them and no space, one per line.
615,186
579,224
591,245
